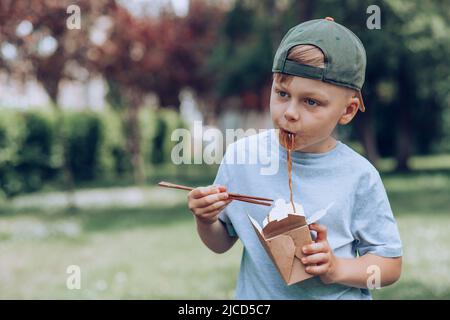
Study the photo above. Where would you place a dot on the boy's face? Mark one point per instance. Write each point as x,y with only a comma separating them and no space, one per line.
311,110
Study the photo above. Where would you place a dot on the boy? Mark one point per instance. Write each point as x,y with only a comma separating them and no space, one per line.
319,70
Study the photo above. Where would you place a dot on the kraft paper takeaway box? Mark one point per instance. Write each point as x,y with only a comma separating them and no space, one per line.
283,240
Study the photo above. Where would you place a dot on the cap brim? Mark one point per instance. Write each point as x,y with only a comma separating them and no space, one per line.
361,101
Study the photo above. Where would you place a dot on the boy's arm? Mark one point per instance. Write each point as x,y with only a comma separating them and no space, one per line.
206,203
351,272
356,272
215,236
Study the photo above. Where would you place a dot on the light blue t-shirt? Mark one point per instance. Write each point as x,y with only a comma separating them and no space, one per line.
359,222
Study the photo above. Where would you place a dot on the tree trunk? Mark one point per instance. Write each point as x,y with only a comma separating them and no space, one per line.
367,136
49,73
368,139
127,102
68,180
406,102
133,137
305,10
403,150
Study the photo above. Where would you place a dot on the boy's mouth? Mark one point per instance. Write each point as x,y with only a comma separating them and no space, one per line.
284,131
287,139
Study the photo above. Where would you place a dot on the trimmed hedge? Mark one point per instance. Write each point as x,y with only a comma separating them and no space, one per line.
31,152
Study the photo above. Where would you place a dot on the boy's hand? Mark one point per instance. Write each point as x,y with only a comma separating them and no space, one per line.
207,202
320,254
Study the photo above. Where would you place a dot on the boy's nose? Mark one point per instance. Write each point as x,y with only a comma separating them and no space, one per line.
291,114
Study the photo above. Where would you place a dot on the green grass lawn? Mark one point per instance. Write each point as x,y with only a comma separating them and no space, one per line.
141,243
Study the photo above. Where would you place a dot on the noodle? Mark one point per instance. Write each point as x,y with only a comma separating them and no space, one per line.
289,142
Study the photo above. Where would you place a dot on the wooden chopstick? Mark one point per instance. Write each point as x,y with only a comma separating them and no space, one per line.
179,186
250,201
233,196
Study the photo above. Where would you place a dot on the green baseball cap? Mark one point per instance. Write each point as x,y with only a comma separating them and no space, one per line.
345,56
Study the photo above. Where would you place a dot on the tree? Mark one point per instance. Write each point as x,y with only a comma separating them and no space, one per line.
45,49
405,76
162,55
242,58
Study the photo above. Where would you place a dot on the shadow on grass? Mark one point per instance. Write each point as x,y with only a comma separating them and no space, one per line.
416,172
411,290
419,192
114,219
420,202
111,219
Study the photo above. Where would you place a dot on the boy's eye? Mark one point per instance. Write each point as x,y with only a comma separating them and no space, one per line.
282,94
311,102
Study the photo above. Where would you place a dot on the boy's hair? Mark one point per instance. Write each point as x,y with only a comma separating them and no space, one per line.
305,54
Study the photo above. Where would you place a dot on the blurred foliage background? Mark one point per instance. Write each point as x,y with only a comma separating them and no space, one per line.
77,185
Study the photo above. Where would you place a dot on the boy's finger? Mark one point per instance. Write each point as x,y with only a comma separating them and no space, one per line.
211,214
315,247
317,258
226,202
210,199
197,193
317,270
219,205
202,192
321,231
222,188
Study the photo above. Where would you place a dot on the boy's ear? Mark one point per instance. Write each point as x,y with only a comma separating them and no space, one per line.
349,111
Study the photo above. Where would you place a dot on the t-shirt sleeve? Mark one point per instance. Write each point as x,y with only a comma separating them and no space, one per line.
373,225
222,178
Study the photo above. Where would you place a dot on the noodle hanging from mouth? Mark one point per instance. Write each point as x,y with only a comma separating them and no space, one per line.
289,141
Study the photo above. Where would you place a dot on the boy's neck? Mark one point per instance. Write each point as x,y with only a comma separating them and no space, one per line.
321,147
